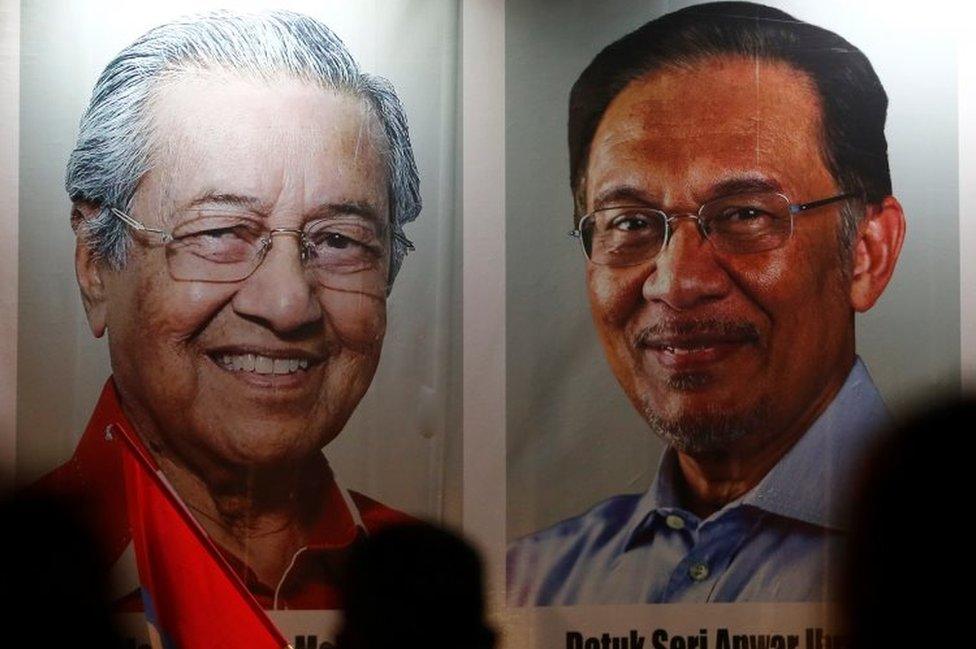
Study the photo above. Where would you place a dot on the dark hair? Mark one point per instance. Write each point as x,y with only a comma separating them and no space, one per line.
853,101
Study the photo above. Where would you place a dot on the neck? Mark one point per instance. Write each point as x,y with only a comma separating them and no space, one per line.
261,517
709,481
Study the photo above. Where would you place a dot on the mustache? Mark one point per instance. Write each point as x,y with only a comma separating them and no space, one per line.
708,328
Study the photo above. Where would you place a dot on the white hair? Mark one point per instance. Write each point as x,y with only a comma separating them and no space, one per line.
113,149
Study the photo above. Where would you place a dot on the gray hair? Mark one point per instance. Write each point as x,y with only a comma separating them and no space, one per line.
113,149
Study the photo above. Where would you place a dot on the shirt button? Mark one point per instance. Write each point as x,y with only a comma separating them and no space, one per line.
698,572
675,522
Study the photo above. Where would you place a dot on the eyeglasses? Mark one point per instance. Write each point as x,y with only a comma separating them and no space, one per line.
347,253
739,224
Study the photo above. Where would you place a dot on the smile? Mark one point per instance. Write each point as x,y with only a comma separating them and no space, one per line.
697,344
691,355
261,364
690,349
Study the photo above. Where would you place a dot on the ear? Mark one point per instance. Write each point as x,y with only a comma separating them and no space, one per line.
879,238
89,270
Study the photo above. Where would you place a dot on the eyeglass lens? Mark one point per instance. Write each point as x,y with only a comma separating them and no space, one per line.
347,254
740,224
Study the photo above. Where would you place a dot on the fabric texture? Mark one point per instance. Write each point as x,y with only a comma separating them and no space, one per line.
782,541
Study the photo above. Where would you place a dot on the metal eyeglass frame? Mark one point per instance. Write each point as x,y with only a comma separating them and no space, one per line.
794,209
266,242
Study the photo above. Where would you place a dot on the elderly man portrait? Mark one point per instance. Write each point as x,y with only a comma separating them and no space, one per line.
733,200
239,189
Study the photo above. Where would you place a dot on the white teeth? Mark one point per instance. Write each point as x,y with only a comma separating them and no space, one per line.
262,364
682,350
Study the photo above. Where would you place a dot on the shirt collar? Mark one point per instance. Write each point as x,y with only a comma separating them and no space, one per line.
813,481
96,464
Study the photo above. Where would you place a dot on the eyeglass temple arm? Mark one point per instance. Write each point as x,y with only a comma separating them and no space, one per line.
407,243
803,207
136,225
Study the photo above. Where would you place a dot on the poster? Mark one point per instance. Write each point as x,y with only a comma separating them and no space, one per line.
602,351
537,419
343,359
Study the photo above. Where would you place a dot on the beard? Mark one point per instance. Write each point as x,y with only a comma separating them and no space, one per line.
708,430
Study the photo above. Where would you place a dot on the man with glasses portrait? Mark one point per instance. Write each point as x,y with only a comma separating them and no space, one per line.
239,191
733,200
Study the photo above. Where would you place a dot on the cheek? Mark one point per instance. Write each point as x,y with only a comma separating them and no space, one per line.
614,295
358,321
794,286
175,312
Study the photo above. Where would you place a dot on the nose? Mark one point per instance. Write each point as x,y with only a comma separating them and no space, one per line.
279,294
686,273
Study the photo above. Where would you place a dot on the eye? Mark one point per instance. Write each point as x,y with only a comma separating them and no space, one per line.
342,245
230,232
741,214
630,222
335,240
216,230
323,239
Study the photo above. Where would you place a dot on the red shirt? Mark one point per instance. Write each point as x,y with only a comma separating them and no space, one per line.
94,478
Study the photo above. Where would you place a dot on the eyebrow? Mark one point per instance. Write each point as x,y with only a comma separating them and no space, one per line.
631,195
356,208
750,184
238,200
323,210
623,194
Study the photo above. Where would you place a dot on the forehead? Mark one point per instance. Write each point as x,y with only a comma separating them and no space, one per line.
219,133
678,131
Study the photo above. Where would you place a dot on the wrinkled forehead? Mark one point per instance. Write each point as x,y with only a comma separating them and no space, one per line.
225,133
686,124
208,101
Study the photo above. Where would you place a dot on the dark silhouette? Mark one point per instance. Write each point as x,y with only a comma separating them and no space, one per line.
53,585
414,585
905,563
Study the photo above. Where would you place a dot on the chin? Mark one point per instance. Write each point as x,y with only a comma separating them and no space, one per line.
706,429
266,451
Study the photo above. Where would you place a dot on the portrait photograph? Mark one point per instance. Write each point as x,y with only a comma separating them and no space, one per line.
739,224
236,317
626,293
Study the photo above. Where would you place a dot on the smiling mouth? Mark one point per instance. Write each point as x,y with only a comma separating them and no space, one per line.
261,364
694,344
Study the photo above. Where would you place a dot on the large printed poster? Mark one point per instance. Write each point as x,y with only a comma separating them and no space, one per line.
761,273
235,251
731,259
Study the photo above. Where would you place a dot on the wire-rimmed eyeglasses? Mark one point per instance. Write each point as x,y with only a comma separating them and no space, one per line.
348,253
739,224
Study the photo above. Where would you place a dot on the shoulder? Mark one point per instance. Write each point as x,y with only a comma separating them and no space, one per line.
376,515
542,565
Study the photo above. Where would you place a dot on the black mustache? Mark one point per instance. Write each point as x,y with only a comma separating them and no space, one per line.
663,332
